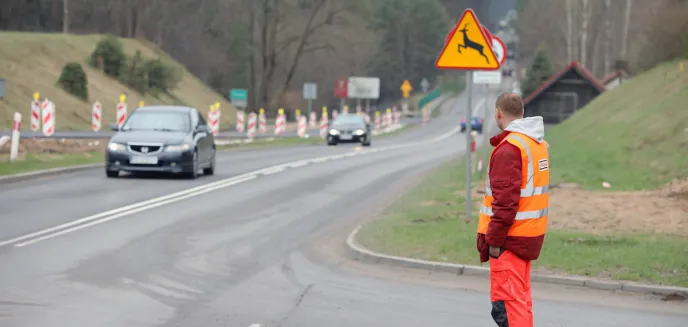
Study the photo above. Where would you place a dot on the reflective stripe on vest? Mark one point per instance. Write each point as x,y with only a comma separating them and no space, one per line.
531,219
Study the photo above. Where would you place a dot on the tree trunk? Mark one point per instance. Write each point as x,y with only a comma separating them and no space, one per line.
569,31
65,16
586,12
624,38
607,35
299,50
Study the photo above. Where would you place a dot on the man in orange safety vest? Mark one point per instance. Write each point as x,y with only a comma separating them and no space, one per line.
513,216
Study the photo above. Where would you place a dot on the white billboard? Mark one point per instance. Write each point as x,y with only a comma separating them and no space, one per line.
364,88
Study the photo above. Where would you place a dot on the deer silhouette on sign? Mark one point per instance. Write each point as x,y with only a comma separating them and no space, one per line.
467,43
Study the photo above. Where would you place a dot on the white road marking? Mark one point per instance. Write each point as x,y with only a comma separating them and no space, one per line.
255,325
118,213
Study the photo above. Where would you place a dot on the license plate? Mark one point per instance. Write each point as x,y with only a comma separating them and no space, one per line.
345,137
144,160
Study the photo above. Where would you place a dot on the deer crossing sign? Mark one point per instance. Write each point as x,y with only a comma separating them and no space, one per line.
468,47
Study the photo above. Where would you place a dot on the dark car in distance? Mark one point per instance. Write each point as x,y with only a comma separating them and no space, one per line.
349,128
167,139
476,124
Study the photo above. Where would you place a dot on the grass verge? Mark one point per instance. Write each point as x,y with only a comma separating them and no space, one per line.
633,136
427,223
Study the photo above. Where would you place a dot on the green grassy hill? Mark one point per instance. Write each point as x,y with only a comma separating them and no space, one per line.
31,62
634,136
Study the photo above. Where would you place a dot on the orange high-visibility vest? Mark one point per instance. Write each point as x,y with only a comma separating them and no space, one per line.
531,219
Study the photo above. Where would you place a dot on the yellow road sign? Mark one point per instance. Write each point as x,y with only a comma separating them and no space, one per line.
406,88
468,47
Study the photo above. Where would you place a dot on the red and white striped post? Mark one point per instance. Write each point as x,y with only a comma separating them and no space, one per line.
377,121
36,113
251,133
96,116
323,123
302,126
121,110
240,124
313,120
426,115
16,127
262,121
280,122
48,117
214,118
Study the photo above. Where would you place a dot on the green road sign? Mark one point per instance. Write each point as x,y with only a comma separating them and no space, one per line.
239,97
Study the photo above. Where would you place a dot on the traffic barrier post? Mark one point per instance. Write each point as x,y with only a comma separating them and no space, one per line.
251,126
48,117
121,110
323,123
262,121
313,120
14,146
36,113
240,121
96,116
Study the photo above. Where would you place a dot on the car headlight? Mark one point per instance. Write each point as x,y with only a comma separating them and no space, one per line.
116,146
360,132
334,132
177,148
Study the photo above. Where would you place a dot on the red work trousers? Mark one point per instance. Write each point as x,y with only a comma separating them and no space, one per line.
512,304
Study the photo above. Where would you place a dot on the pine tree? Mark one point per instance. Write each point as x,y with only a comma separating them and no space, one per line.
540,71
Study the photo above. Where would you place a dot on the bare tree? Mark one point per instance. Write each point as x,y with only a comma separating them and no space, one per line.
627,22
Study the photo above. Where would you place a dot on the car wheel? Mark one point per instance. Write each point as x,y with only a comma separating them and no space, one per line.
112,173
366,143
331,143
194,167
211,169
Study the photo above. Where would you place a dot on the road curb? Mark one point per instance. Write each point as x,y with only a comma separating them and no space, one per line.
46,172
360,253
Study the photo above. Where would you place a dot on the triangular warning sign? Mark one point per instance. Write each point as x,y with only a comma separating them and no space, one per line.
468,47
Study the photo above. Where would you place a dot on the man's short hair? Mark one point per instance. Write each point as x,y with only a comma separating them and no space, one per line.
510,103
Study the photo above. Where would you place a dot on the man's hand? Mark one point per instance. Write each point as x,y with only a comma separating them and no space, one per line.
495,251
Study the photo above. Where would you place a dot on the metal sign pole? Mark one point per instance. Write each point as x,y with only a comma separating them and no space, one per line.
469,109
310,106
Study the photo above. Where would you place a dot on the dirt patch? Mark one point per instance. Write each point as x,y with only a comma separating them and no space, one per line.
660,211
28,145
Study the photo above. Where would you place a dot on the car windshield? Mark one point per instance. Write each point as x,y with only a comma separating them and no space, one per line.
348,120
172,121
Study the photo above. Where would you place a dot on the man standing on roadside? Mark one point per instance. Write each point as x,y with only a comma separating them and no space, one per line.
513,216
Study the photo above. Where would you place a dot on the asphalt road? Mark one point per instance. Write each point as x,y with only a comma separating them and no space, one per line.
258,244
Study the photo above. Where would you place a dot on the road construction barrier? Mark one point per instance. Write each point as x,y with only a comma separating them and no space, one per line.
121,110
313,120
323,123
48,117
251,125
335,113
214,119
96,116
240,121
35,113
302,126
366,116
280,122
16,127
359,109
397,116
377,121
262,121
345,110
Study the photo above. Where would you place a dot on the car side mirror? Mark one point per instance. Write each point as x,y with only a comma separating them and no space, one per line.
114,127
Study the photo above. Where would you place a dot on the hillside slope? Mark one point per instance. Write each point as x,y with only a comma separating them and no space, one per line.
32,62
633,137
